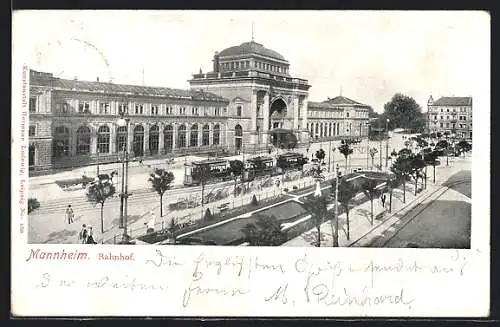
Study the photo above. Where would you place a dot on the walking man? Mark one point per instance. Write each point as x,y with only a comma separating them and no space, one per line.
83,234
69,214
382,198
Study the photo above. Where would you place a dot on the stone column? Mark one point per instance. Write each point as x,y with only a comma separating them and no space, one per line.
93,141
146,139
112,139
265,113
296,113
130,138
72,141
253,110
161,139
211,134
188,135
200,134
174,136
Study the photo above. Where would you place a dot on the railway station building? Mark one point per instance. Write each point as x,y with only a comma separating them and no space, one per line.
235,107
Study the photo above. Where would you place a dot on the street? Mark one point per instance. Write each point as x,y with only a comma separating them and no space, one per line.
443,223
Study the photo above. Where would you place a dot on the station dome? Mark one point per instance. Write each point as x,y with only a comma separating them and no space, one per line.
251,48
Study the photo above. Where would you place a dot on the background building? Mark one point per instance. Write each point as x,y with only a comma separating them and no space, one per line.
452,114
336,118
73,123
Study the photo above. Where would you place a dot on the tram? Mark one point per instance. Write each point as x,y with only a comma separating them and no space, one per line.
218,170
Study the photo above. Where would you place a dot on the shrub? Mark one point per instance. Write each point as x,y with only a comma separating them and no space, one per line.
254,201
208,214
295,187
33,204
285,190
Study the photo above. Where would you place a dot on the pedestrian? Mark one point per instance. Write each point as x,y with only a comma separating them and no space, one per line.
140,162
90,237
83,234
383,197
150,225
69,214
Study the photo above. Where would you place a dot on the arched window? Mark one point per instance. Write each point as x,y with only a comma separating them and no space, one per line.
216,140
316,134
83,136
238,137
121,138
238,111
168,138
330,129
182,136
206,135
154,139
321,130
103,137
193,142
61,142
138,141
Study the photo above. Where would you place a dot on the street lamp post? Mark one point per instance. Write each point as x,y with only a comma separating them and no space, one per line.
336,206
97,152
387,143
124,121
329,154
368,147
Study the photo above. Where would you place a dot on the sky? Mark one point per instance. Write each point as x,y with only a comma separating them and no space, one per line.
367,56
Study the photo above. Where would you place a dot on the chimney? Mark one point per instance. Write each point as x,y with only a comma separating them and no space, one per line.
98,78
216,62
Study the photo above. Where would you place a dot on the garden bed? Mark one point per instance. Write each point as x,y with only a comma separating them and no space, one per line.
233,213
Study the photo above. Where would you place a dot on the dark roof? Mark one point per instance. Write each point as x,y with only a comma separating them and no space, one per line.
47,79
263,158
335,102
322,105
251,48
453,101
209,161
291,155
339,100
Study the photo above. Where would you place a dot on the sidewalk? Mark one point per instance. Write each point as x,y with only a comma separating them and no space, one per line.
362,232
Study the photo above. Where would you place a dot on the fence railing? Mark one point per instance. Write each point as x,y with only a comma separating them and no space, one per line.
221,206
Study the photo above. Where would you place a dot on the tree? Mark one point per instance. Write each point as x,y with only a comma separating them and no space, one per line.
431,159
236,167
266,231
317,207
346,150
373,152
404,112
317,172
416,166
98,193
401,169
33,204
392,183
320,155
464,146
346,193
443,144
202,173
161,181
369,188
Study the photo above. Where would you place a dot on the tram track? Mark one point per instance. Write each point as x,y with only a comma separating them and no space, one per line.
420,209
80,203
413,212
